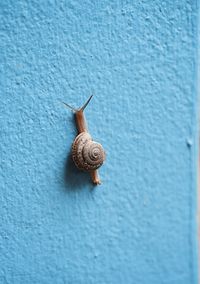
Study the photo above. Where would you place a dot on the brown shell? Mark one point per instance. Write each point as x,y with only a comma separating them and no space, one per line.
86,153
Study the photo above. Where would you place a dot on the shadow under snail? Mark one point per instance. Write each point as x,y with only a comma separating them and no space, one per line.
87,154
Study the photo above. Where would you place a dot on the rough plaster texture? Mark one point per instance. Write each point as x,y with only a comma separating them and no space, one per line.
139,58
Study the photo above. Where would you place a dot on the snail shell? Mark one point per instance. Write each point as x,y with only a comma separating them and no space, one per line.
87,154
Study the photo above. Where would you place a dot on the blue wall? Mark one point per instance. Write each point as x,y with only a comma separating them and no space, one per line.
139,58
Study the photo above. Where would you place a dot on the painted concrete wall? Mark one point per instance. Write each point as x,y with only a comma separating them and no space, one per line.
139,58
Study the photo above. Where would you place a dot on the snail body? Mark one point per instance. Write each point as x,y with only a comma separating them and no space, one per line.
87,154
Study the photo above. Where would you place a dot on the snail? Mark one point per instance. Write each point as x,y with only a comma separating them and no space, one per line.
87,154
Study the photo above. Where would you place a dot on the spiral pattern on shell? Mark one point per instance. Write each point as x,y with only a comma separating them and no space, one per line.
86,153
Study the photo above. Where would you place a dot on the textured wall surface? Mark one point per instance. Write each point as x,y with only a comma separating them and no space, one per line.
139,58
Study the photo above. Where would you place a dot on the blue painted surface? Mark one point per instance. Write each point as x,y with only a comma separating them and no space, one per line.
139,58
